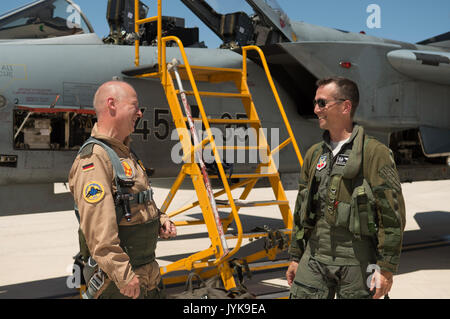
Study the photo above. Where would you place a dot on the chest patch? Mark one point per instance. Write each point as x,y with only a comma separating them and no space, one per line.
322,163
341,160
129,172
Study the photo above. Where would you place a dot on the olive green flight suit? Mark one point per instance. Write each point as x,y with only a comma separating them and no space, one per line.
349,214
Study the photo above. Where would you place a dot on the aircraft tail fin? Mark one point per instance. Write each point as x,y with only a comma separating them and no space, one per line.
442,40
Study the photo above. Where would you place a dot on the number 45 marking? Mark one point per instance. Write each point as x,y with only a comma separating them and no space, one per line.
144,129
141,126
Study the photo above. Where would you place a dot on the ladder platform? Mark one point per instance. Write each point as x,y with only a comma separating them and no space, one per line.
244,203
210,74
141,70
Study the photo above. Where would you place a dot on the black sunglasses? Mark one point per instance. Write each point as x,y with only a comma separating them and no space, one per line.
322,103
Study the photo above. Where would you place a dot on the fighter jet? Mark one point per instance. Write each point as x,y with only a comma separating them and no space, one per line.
52,62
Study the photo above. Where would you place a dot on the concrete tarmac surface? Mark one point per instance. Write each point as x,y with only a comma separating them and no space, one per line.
36,250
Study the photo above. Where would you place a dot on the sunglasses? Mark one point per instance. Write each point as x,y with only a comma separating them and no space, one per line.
322,103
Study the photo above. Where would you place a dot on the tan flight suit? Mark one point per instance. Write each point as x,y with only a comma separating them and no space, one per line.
98,213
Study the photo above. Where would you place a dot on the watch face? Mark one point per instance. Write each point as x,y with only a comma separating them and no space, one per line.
2,101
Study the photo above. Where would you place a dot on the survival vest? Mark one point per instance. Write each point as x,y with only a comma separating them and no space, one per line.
138,241
350,202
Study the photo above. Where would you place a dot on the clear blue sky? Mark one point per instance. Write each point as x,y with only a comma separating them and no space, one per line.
404,20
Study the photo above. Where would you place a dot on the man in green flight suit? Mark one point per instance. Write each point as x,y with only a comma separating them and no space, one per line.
349,214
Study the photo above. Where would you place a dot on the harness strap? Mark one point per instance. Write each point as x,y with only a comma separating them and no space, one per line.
121,180
115,160
142,197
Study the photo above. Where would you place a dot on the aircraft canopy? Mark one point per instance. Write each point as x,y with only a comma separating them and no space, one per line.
44,19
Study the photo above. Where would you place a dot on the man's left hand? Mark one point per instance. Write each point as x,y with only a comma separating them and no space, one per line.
168,230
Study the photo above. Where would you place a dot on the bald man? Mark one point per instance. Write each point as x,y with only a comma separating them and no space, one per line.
123,246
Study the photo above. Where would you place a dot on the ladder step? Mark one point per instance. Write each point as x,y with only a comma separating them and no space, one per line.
253,175
243,203
217,94
265,265
241,148
210,74
257,234
226,121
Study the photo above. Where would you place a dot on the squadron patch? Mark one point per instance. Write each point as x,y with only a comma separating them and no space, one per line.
322,163
341,160
129,172
93,192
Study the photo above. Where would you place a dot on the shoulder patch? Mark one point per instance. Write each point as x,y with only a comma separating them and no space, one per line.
391,177
128,169
93,192
88,167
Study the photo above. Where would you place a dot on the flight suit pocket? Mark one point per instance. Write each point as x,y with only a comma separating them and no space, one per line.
343,215
303,205
362,212
302,291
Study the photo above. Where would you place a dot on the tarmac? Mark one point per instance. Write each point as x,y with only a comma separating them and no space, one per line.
37,249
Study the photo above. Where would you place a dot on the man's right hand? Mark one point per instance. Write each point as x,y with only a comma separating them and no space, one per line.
290,273
133,289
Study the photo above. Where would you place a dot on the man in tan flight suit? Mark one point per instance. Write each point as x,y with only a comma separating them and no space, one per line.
124,249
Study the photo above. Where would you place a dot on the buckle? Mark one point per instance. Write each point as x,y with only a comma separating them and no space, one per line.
97,280
145,196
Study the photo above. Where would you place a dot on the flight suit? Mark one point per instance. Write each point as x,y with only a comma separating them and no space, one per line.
121,248
349,218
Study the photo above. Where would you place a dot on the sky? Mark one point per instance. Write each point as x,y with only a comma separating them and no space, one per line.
403,20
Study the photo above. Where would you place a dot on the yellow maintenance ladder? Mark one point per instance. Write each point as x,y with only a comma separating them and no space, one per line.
217,258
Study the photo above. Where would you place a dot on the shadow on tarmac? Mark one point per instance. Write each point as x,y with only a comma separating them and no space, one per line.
424,249
428,247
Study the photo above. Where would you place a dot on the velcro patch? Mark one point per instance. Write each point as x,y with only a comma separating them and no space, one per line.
389,174
322,163
341,160
129,172
93,192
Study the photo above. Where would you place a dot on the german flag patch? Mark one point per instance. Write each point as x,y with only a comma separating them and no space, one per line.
88,167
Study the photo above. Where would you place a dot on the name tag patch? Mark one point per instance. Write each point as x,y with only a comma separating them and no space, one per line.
341,160
322,163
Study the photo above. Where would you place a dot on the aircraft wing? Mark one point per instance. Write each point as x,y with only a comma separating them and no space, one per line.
422,65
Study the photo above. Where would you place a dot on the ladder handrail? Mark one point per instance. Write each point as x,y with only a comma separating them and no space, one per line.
190,169
138,22
275,93
208,130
